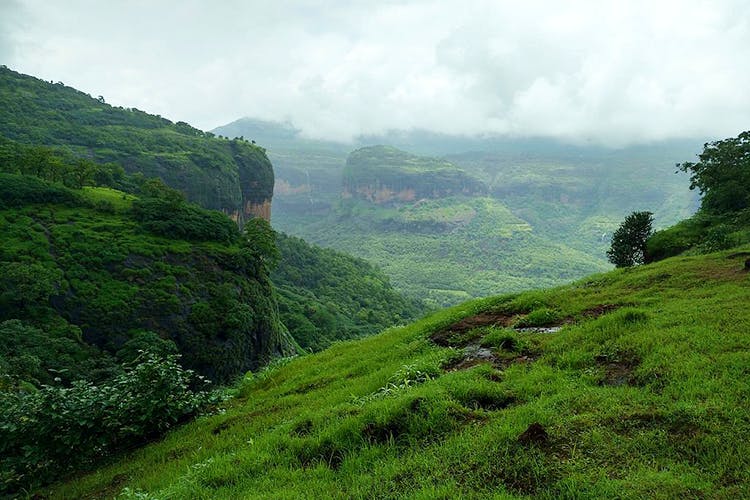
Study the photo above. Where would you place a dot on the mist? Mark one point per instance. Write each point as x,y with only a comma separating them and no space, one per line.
609,73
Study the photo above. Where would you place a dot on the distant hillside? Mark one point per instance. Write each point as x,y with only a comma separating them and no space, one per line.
325,296
235,177
386,175
568,198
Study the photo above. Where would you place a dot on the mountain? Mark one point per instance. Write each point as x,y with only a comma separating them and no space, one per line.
64,136
628,384
386,175
235,177
555,204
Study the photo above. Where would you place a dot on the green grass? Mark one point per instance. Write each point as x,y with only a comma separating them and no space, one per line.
642,393
119,200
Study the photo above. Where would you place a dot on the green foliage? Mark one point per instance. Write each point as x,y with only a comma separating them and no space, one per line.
629,241
20,190
75,268
63,135
384,174
260,241
326,295
58,429
445,251
185,221
722,174
649,370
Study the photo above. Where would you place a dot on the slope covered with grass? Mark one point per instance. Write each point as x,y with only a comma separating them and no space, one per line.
629,384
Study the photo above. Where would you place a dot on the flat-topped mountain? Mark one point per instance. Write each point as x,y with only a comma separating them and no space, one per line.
384,174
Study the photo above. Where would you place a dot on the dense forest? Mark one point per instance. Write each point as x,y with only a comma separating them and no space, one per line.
233,176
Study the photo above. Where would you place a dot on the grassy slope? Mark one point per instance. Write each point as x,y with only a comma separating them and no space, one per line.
647,400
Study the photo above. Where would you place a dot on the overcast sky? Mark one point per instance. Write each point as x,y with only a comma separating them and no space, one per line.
609,72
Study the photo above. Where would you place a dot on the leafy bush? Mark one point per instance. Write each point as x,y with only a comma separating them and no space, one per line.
46,433
629,241
184,221
19,190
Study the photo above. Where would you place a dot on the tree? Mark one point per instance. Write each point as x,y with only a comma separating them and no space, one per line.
723,174
629,241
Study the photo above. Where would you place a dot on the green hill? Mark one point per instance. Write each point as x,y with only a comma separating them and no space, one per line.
629,384
105,272
325,295
569,200
232,176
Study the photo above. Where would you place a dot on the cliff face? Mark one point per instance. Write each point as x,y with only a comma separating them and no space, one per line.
233,176
386,175
110,276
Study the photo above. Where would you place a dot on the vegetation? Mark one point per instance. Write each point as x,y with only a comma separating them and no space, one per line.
723,174
629,241
557,207
723,220
325,296
448,250
56,430
384,174
641,393
82,132
99,278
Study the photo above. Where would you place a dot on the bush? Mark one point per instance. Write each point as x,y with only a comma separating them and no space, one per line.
55,430
184,221
629,241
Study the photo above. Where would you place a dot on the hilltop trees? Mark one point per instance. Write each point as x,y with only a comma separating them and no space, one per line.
723,174
629,241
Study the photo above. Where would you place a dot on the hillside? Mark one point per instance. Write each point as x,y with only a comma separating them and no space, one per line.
104,273
432,228
559,202
386,175
325,296
629,384
235,176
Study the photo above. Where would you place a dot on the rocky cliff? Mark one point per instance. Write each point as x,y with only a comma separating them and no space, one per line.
386,175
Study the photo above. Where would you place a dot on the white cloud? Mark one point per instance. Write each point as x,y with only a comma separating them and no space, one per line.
607,71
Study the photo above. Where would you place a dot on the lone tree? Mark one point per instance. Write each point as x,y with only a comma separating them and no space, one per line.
629,241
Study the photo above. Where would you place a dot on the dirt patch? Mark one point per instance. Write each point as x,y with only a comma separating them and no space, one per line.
451,335
618,372
475,354
535,434
600,310
220,428
738,254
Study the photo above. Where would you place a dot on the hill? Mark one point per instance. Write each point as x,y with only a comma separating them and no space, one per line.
232,176
386,175
629,384
568,199
325,296
64,136
102,273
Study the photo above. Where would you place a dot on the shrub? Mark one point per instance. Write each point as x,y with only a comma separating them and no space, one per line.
55,430
629,241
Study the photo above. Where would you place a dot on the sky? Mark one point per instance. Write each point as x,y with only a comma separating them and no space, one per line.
605,72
